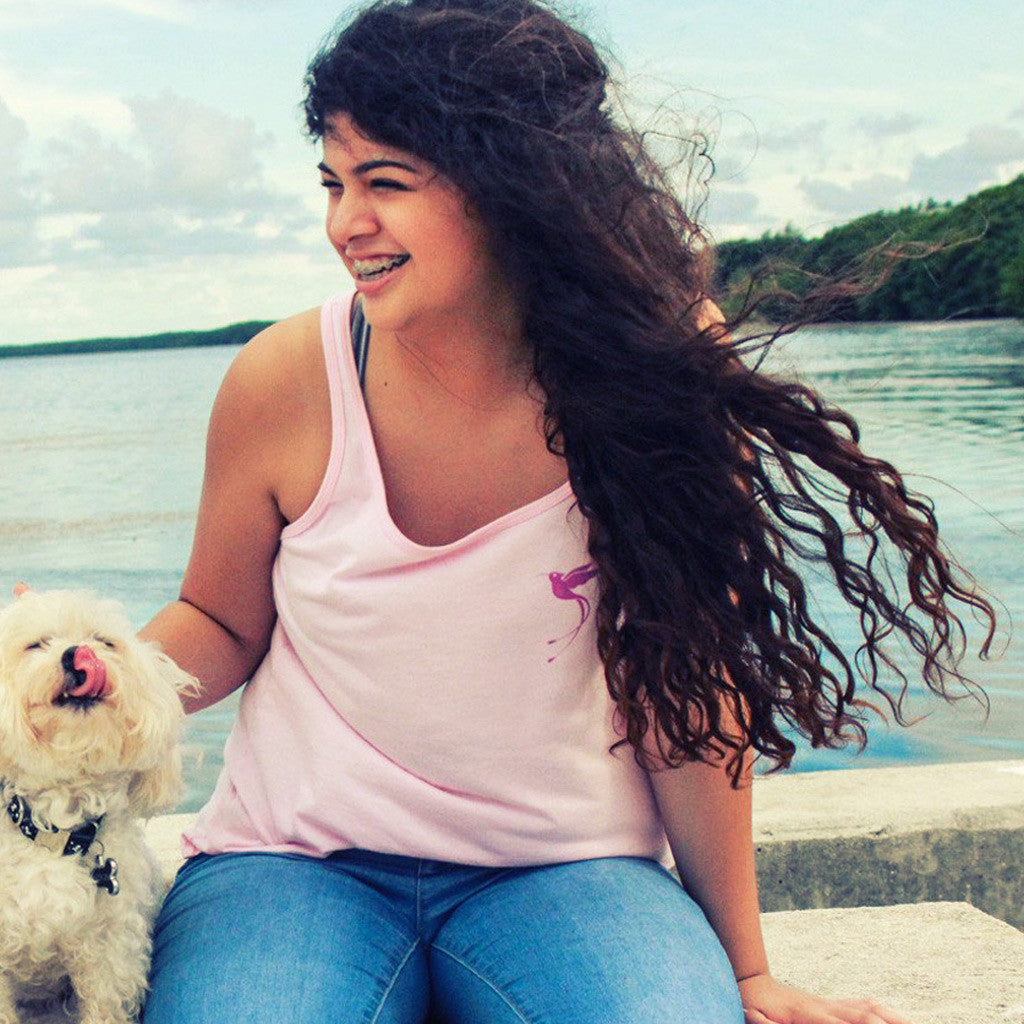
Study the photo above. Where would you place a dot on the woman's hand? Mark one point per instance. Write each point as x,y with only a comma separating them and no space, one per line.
767,1001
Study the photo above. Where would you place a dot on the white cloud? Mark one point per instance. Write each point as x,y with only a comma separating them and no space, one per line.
878,191
730,210
19,15
808,135
16,16
989,154
185,179
19,207
156,233
199,157
40,102
14,199
889,126
65,229
177,153
19,244
85,172
161,10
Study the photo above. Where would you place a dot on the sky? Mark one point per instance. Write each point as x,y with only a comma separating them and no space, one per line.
154,175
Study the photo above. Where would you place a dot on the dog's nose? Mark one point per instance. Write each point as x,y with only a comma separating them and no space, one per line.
84,674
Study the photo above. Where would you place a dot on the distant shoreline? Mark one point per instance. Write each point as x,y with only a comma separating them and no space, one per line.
235,334
239,334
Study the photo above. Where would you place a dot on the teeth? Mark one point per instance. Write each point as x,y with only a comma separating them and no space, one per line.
378,265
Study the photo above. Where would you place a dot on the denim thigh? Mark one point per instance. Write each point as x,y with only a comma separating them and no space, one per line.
268,939
363,938
609,941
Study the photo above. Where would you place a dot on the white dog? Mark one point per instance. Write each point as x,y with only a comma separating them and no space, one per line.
89,727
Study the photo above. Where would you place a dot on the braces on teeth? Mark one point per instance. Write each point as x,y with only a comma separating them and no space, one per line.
379,266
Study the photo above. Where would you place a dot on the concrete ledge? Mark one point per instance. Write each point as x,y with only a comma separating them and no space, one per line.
868,802
876,837
934,963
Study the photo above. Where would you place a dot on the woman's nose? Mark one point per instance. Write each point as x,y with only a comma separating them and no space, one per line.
348,218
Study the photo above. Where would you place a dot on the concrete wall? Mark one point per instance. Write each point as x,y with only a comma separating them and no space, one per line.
877,837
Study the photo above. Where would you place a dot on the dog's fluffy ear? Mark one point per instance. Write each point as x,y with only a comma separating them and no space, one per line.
157,789
160,788
182,683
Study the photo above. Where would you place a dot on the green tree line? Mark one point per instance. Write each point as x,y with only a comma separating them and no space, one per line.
951,261
235,334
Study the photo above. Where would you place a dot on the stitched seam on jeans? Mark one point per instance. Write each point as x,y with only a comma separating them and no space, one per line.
391,983
419,898
494,988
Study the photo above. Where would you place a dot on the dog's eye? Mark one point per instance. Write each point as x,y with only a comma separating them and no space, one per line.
39,645
109,644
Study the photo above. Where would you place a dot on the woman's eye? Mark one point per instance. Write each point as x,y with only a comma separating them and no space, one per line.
389,183
332,186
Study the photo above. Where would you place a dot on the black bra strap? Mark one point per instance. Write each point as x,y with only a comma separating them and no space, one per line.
360,331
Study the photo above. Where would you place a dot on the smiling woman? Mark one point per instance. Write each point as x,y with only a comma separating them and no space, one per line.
525,605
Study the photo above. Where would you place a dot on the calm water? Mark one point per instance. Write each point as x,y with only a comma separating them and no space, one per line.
101,463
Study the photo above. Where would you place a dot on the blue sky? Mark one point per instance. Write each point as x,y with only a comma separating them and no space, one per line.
154,176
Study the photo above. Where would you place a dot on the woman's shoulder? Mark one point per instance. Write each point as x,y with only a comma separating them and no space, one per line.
285,356
274,379
276,348
271,418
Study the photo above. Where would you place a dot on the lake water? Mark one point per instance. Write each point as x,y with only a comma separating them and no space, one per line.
101,464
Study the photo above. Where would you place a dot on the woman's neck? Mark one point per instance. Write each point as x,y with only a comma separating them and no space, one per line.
482,360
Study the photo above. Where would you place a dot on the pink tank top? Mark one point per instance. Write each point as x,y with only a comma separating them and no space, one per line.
440,702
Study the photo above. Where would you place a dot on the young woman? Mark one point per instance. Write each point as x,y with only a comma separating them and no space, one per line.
521,604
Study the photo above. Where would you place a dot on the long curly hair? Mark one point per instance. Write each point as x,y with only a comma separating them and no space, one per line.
707,483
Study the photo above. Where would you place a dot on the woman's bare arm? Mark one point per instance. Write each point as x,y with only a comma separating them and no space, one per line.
219,628
708,824
710,831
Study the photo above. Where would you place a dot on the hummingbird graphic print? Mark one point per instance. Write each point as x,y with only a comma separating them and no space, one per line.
565,587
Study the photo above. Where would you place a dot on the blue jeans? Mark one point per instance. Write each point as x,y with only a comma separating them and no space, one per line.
367,938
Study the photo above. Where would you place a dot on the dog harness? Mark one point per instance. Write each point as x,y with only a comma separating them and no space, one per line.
68,842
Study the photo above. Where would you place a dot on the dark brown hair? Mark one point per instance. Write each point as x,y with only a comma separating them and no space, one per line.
707,484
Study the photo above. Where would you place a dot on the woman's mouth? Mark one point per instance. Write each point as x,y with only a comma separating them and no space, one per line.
375,267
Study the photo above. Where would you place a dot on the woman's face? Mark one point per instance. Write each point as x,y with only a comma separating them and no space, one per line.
418,256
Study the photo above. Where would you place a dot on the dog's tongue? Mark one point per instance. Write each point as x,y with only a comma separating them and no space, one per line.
95,682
